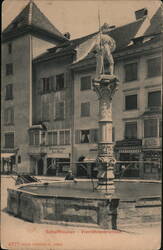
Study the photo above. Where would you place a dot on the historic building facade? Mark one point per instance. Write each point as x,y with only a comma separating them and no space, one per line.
51,123
29,34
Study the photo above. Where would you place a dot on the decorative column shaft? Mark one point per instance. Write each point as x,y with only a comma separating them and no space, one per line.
105,88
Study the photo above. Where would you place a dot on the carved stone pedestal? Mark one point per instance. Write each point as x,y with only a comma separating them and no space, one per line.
105,87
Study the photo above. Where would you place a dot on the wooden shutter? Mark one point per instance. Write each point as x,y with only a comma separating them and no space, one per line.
67,79
93,135
77,136
61,108
40,86
52,83
12,116
5,116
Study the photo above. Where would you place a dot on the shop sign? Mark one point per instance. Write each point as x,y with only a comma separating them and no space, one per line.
151,142
59,152
129,142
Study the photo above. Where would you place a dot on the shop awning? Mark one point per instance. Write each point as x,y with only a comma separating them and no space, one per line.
91,157
6,155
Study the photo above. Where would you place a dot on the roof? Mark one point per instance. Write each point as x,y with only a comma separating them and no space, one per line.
122,36
156,23
33,17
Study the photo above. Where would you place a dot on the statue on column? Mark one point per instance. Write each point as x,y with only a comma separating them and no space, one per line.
102,45
103,48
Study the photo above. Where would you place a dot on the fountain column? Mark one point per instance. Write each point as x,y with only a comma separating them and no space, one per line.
105,88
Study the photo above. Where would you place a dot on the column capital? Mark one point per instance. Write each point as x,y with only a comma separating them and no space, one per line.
105,86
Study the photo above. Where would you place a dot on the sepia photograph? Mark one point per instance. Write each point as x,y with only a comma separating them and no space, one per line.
81,124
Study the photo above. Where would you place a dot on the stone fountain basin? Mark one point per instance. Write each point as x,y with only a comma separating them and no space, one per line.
77,203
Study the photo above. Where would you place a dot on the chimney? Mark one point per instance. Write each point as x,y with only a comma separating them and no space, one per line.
141,13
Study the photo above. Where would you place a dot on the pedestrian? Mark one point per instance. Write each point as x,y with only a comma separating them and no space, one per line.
70,177
123,168
112,211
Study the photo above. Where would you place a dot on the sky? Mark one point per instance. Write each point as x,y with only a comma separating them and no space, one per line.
80,17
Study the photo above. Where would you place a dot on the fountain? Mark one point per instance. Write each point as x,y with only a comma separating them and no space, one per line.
76,203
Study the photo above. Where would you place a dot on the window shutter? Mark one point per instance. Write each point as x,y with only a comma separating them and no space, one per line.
12,116
40,86
93,135
57,112
67,79
5,116
61,107
77,136
52,83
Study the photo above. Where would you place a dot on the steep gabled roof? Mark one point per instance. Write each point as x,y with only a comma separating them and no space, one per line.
31,16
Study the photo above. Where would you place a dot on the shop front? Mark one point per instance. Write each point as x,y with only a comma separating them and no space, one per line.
9,161
58,160
129,157
152,156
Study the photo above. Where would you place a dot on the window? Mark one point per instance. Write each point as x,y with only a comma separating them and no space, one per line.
9,69
52,138
130,130
130,102
131,72
154,99
59,111
150,128
64,137
61,137
154,67
85,109
9,116
46,85
10,48
85,83
34,137
9,92
67,137
59,82
9,140
85,136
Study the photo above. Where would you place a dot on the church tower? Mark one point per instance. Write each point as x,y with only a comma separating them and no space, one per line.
28,35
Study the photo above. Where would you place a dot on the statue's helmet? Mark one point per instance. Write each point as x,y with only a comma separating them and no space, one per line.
105,27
